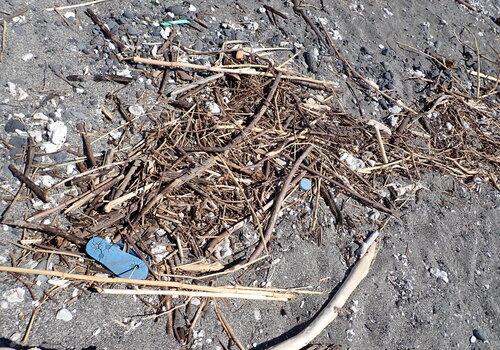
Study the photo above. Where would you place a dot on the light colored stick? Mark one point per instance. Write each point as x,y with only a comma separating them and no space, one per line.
331,311
244,71
151,283
197,83
74,6
484,76
120,200
196,294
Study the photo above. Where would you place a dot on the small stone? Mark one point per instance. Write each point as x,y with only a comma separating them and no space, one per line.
14,124
133,31
192,8
70,15
165,32
195,301
57,132
177,10
15,295
440,274
257,315
136,110
479,335
64,315
27,57
473,339
128,14
213,107
395,109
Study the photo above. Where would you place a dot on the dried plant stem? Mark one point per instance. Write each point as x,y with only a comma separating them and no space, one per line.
197,294
227,327
37,190
243,71
278,203
263,292
60,8
331,311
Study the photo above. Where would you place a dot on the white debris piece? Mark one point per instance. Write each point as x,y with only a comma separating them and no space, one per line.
59,282
223,249
70,14
336,35
96,332
49,147
46,181
64,315
57,132
388,12
352,162
124,73
136,110
395,109
16,92
14,295
195,301
40,116
165,32
257,315
213,107
159,252
192,8
27,57
253,26
439,274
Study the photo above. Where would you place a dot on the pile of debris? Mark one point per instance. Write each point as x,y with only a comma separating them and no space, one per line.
230,151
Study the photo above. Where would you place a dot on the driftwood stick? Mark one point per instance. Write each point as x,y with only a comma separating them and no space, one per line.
278,203
48,229
331,310
87,146
203,81
107,33
37,191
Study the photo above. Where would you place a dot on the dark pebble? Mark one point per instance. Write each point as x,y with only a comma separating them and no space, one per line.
388,75
383,103
59,157
276,40
229,33
128,14
72,115
198,45
14,124
177,10
311,61
133,31
17,141
385,51
479,335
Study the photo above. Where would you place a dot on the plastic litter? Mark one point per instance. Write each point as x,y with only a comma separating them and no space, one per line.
305,184
175,22
120,263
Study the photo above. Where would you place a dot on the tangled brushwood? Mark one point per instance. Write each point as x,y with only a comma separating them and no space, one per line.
229,152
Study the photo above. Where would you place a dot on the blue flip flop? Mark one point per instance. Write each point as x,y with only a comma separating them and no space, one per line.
120,263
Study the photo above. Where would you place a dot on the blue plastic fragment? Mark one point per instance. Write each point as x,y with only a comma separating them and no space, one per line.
176,22
120,263
305,184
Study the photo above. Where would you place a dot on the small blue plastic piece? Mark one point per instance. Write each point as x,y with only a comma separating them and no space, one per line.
120,263
305,184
